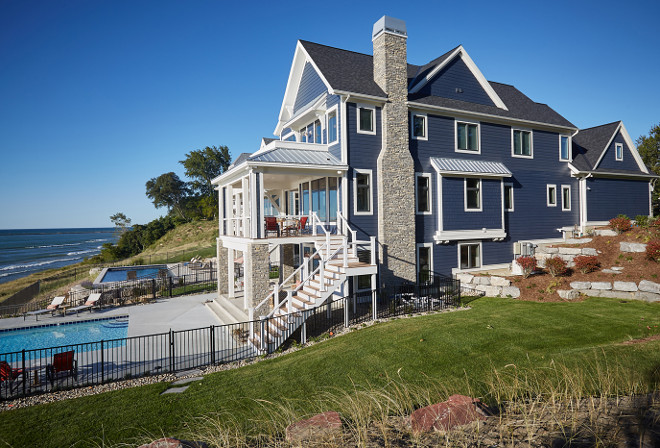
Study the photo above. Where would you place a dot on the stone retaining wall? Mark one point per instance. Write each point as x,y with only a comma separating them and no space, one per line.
492,286
565,253
645,290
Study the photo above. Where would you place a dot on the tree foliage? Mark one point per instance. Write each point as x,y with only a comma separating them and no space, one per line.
649,149
121,222
167,190
138,238
202,166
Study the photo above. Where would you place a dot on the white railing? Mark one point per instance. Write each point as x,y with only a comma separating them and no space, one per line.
237,226
345,230
317,222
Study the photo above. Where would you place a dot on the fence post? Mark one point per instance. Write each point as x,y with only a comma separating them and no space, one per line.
212,336
303,329
153,288
346,318
374,304
262,331
23,367
102,364
170,285
171,350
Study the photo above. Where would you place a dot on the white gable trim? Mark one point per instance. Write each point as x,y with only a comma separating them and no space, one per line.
293,83
460,51
631,146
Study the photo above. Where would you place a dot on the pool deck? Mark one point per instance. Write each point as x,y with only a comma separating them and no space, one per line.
178,313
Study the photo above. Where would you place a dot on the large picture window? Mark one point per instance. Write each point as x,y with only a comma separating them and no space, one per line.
472,194
362,191
469,255
522,143
467,137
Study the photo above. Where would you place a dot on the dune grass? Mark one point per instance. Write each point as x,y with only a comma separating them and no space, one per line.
465,352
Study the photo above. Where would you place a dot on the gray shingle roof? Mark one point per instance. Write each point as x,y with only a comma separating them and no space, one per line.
298,156
353,72
240,159
465,166
589,144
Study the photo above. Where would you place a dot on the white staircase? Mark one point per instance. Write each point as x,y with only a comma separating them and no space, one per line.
337,260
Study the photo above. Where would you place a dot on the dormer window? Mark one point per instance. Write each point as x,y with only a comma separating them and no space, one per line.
618,149
312,133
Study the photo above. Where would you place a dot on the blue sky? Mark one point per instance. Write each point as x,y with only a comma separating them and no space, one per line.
97,97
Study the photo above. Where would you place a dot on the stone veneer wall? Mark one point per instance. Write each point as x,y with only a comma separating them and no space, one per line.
256,275
223,259
286,256
395,167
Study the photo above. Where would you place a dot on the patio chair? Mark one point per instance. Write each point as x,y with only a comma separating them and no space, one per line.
302,225
271,225
63,366
8,375
54,305
131,275
88,305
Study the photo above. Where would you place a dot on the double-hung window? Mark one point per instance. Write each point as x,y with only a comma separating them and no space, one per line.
551,195
366,120
419,127
362,192
472,194
467,137
508,197
564,148
469,255
566,198
423,193
332,126
522,143
618,149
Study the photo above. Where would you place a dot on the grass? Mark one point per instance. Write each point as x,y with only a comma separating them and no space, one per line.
466,352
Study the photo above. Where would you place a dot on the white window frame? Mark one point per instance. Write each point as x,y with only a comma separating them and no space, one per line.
428,176
481,193
481,255
531,143
373,119
569,148
616,151
547,195
357,171
467,151
357,282
565,188
334,109
412,126
508,184
417,266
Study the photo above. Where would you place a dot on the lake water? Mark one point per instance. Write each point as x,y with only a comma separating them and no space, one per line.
26,251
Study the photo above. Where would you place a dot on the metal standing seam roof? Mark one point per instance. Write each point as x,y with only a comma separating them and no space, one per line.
464,166
297,156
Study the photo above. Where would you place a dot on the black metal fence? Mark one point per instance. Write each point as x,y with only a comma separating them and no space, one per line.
29,372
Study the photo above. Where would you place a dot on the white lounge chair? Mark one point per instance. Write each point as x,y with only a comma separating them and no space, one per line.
54,305
91,301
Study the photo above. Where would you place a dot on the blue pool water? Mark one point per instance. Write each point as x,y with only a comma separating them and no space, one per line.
65,333
120,274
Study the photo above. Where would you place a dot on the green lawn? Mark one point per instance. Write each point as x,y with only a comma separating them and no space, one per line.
457,350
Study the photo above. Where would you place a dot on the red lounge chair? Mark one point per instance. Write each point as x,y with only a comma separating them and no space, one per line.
9,375
302,224
63,365
271,226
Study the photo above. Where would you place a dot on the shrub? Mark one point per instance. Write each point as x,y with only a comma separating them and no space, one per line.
556,266
642,221
586,264
620,224
527,264
653,250
654,222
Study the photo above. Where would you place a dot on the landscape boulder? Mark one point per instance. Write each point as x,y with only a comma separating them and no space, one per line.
625,246
458,410
648,296
648,286
568,294
570,250
169,442
510,291
499,281
478,280
601,285
581,285
465,278
625,286
590,251
605,232
319,426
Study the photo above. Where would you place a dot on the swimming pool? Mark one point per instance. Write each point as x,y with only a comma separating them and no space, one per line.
65,333
120,274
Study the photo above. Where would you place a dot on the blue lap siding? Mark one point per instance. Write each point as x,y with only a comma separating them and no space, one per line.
609,159
311,86
453,205
606,198
457,82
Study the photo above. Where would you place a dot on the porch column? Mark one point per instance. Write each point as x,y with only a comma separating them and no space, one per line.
245,207
221,211
286,261
223,273
256,277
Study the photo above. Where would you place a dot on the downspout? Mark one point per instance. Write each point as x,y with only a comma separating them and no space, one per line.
651,188
583,202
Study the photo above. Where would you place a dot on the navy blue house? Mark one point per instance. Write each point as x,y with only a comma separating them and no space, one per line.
412,168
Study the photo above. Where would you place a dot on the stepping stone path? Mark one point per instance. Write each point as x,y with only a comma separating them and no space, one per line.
169,442
187,380
321,425
458,410
175,390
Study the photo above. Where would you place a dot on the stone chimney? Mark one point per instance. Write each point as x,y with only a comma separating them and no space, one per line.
396,169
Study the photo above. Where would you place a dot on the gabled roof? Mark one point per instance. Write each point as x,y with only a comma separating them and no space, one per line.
424,70
445,165
591,144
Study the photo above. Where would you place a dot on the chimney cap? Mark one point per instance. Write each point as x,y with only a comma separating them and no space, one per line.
389,25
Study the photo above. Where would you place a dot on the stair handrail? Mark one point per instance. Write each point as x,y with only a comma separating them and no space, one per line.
316,221
349,230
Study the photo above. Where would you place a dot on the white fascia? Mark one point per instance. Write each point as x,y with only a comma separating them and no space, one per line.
460,51
457,235
633,149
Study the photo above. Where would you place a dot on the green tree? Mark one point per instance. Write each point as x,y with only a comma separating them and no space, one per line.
121,222
202,166
649,149
167,190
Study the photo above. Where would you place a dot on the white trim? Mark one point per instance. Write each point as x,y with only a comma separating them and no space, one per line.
569,148
460,51
483,268
513,208
547,195
570,198
343,137
467,151
430,247
412,126
457,235
470,243
440,211
430,192
531,143
358,107
284,137
334,109
616,152
582,197
631,146
371,192
480,191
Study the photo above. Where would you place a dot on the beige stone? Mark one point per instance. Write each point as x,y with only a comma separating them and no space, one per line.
500,281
